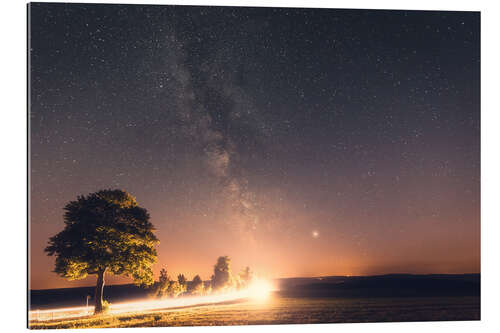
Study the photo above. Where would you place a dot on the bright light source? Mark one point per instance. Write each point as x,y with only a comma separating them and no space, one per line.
259,289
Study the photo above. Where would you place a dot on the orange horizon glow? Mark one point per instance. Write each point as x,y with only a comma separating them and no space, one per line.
324,252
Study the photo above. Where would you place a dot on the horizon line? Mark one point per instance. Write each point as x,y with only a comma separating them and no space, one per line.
281,278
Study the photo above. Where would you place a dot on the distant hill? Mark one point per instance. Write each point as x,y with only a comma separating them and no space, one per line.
65,297
391,285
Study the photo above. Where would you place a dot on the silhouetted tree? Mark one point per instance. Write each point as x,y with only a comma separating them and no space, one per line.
182,282
237,283
105,232
195,287
222,277
164,278
160,287
207,287
165,287
175,289
181,279
246,276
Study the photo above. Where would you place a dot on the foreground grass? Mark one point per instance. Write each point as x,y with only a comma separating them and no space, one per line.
278,310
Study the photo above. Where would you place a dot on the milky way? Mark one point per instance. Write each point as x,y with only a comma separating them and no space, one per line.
297,141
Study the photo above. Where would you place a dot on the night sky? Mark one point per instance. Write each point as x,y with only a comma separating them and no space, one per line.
300,142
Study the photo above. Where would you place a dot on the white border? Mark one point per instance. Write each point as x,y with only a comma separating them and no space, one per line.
13,193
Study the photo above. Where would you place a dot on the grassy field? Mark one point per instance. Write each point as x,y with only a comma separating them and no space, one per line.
278,310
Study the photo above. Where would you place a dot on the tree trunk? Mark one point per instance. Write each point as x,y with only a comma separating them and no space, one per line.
99,291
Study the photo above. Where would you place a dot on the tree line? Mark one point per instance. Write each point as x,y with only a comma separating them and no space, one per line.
222,280
107,232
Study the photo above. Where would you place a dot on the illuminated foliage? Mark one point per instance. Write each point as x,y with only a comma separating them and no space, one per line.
160,287
221,281
165,287
175,289
105,232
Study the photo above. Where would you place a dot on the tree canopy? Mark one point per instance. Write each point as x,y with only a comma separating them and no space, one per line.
165,287
222,277
105,231
195,287
245,276
181,279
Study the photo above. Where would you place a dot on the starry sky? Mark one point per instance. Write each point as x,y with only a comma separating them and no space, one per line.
300,142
